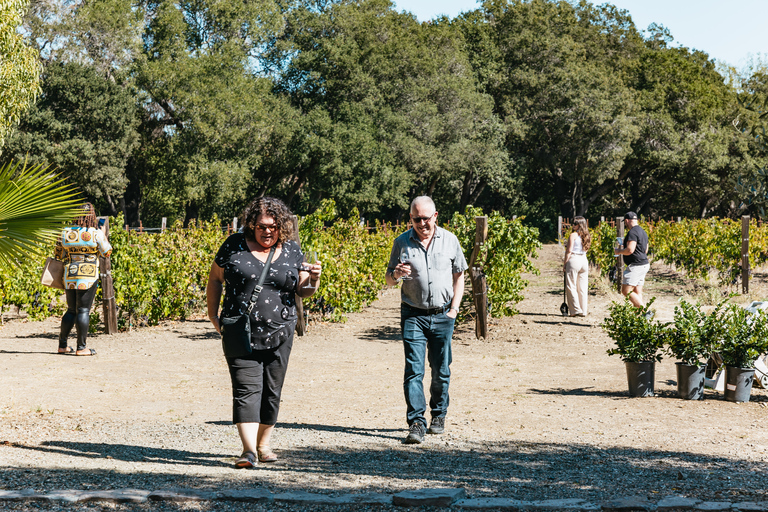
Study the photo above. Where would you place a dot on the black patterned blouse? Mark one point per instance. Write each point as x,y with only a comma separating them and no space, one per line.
273,319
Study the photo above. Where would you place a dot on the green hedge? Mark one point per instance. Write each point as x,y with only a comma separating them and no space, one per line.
505,256
162,276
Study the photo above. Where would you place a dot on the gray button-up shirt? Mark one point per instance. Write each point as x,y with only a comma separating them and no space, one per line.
431,283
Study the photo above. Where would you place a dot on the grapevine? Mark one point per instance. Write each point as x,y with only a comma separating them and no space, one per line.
701,248
163,276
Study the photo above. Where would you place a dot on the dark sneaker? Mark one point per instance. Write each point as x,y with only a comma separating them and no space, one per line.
437,426
415,433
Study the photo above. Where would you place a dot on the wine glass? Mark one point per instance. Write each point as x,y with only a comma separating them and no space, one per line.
310,258
405,257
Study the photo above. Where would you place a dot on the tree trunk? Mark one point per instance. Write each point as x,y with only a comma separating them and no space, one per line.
432,186
563,194
478,190
603,189
300,179
265,186
130,203
465,190
111,205
639,206
192,211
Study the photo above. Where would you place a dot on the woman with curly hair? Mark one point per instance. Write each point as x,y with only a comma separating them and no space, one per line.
79,247
257,378
576,268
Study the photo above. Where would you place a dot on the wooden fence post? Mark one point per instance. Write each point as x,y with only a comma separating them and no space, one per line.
559,229
163,223
620,258
301,326
745,254
477,279
108,304
234,226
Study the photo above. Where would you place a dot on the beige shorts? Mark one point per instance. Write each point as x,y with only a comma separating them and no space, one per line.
634,275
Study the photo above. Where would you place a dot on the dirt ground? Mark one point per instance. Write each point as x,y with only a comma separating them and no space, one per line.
538,410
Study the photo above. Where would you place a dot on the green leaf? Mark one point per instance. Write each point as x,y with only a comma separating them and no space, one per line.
34,204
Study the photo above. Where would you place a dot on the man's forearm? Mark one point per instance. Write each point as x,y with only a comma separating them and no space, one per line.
458,290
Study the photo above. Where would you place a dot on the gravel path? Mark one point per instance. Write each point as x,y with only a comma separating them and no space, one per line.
538,411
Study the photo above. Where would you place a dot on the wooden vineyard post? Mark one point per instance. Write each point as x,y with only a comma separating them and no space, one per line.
477,279
745,254
108,305
301,326
620,258
559,229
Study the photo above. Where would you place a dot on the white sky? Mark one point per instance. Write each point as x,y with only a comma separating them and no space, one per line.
730,31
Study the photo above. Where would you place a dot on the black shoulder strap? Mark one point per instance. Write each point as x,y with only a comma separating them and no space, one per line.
260,285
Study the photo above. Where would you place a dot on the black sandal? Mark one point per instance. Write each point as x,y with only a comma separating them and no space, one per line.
90,352
246,461
67,350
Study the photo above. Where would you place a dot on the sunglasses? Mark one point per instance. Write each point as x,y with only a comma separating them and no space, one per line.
262,227
418,220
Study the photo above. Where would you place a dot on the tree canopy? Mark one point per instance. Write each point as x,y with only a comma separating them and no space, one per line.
19,68
535,107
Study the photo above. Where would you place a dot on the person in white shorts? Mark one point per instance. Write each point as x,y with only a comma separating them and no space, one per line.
635,252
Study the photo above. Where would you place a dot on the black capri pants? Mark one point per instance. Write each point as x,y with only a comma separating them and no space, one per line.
257,381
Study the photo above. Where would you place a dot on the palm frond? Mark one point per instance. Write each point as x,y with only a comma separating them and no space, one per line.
34,205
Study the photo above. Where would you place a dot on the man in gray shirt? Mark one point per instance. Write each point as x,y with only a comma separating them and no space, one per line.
429,262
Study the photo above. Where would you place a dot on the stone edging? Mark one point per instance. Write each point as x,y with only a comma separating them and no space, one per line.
454,498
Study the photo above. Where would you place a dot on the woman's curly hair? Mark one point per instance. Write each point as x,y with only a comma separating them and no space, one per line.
87,217
276,209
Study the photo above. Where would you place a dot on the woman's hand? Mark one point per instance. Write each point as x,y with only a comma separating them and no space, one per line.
213,294
314,274
216,324
309,279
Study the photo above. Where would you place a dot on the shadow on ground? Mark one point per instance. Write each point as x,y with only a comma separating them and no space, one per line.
384,334
521,470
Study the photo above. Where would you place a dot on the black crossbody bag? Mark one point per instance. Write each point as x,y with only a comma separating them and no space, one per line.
236,330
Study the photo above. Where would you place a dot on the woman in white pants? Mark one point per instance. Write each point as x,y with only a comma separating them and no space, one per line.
576,268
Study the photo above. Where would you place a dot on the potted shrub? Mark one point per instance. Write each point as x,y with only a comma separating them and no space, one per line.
744,338
639,340
691,340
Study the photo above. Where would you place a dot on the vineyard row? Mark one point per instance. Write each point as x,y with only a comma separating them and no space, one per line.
702,248
162,276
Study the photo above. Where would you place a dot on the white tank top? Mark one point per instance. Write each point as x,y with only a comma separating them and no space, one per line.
578,248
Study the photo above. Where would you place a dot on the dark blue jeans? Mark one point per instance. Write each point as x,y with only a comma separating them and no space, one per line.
428,335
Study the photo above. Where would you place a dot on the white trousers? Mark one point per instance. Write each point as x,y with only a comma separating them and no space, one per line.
576,284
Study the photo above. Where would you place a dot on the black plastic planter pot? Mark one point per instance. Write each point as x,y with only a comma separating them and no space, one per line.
738,383
640,377
690,381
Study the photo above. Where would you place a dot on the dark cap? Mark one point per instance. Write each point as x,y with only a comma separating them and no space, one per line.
630,215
